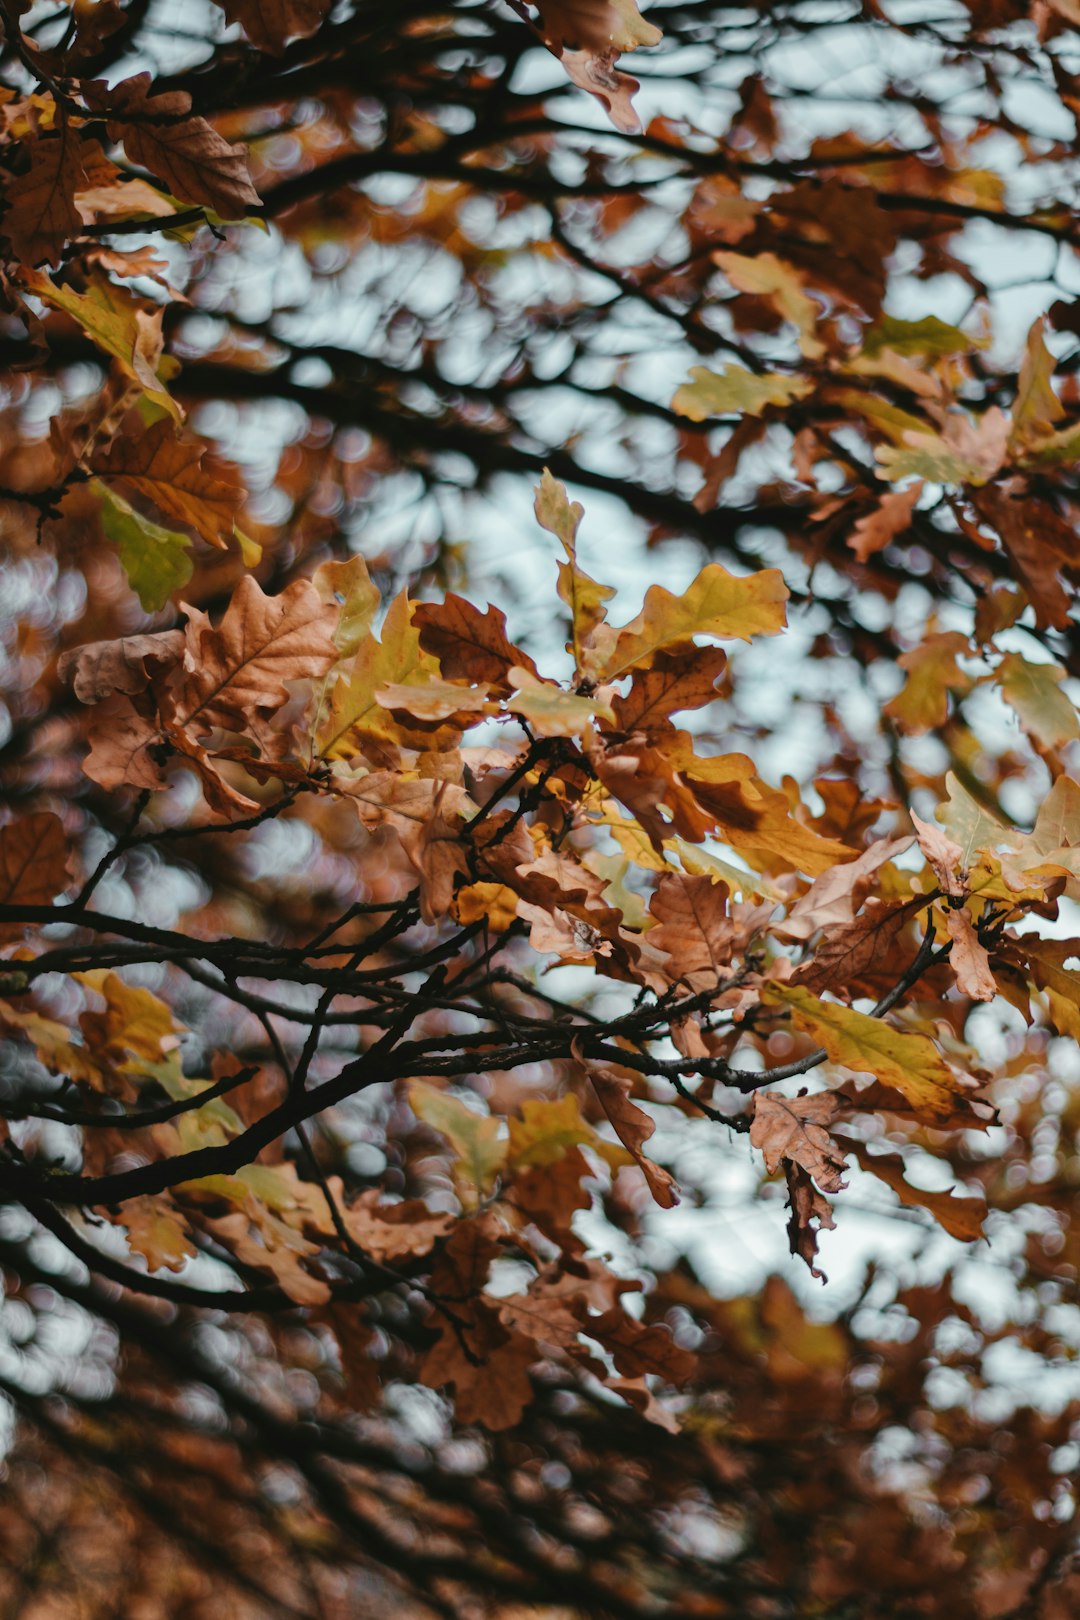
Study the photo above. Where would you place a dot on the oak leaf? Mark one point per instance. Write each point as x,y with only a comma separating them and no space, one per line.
718,604
468,644
1033,692
961,1217
178,477
270,24
126,665
969,959
922,704
119,323
637,1349
908,1062
777,281
180,149
239,667
683,677
632,1126
550,710
696,930
890,517
390,1232
41,216
34,863
736,391
864,957
794,1128
836,896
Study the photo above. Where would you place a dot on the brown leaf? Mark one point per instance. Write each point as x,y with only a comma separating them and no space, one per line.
961,1217
390,1232
811,1213
793,1128
680,678
862,958
837,895
270,24
491,1383
183,151
696,931
262,641
180,478
889,518
121,742
1039,543
632,1125
127,665
969,959
34,857
637,1349
469,645
41,216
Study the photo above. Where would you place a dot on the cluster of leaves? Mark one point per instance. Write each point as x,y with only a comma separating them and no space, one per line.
365,987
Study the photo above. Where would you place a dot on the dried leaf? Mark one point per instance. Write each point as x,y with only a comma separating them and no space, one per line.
183,151
794,1128
632,1126
910,1063
969,959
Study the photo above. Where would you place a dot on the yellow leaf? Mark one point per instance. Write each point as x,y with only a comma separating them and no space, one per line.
550,711
911,1064
583,596
476,1139
1034,692
118,323
353,711
922,704
718,604
547,1130
735,391
779,282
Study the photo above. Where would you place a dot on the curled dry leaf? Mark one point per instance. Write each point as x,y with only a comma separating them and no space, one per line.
126,665
794,1128
946,857
836,896
969,958
632,1125
811,1213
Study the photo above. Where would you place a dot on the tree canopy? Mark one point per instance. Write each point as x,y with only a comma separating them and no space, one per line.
539,751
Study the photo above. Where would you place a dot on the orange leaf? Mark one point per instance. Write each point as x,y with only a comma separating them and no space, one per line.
632,1125
969,959
179,477
270,24
34,856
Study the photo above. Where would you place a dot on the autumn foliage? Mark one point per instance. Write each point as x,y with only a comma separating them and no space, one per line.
400,994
